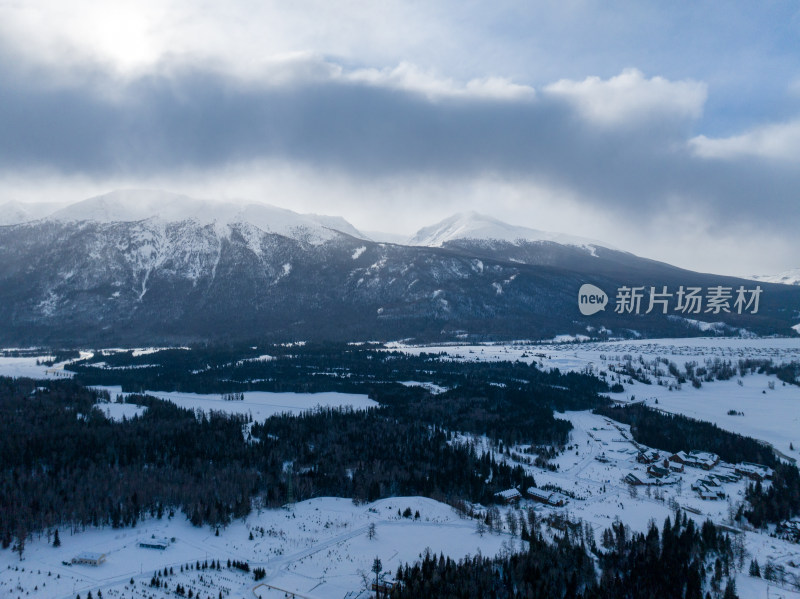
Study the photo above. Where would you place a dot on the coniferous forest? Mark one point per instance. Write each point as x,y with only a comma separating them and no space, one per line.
673,563
63,464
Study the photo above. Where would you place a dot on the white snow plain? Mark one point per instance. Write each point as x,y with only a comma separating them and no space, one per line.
258,404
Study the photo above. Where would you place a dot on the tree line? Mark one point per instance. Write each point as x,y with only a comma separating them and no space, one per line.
64,464
679,562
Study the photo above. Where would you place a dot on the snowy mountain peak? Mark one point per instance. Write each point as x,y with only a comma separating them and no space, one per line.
788,277
473,225
135,205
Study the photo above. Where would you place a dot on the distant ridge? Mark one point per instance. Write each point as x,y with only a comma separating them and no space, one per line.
787,277
134,205
150,267
475,226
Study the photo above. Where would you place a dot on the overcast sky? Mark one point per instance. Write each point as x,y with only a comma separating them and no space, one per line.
668,129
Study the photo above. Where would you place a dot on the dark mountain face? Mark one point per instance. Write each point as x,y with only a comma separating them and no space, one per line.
151,282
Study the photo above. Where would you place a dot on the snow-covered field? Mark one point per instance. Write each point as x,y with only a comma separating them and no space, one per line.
320,548
577,356
770,414
603,496
317,549
258,404
27,367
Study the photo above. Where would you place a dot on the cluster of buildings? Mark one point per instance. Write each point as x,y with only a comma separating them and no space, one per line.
660,468
552,498
708,488
93,558
696,459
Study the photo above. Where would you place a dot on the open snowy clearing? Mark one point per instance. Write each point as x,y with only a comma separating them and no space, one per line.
258,404
771,415
120,411
27,367
577,356
317,549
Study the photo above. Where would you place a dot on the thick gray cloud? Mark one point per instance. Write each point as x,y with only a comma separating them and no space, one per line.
629,159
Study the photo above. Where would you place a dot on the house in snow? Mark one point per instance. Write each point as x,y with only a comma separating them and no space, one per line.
547,497
153,543
509,496
657,471
647,456
708,482
90,558
727,476
753,471
696,459
708,494
634,480
673,466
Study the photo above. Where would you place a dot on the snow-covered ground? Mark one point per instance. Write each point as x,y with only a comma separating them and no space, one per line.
577,356
258,404
321,547
118,411
770,414
787,277
603,496
27,367
317,549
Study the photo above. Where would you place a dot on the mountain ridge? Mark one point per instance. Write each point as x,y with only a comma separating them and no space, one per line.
473,225
787,277
68,280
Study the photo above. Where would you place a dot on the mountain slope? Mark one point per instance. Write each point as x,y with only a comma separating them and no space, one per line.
474,226
105,273
137,205
788,277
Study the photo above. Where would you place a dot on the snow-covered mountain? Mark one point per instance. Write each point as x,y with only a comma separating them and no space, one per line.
13,213
473,226
787,277
141,205
145,267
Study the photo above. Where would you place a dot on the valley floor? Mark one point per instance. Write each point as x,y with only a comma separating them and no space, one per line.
321,548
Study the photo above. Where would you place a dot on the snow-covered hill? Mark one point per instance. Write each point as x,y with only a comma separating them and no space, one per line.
475,226
138,205
788,277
